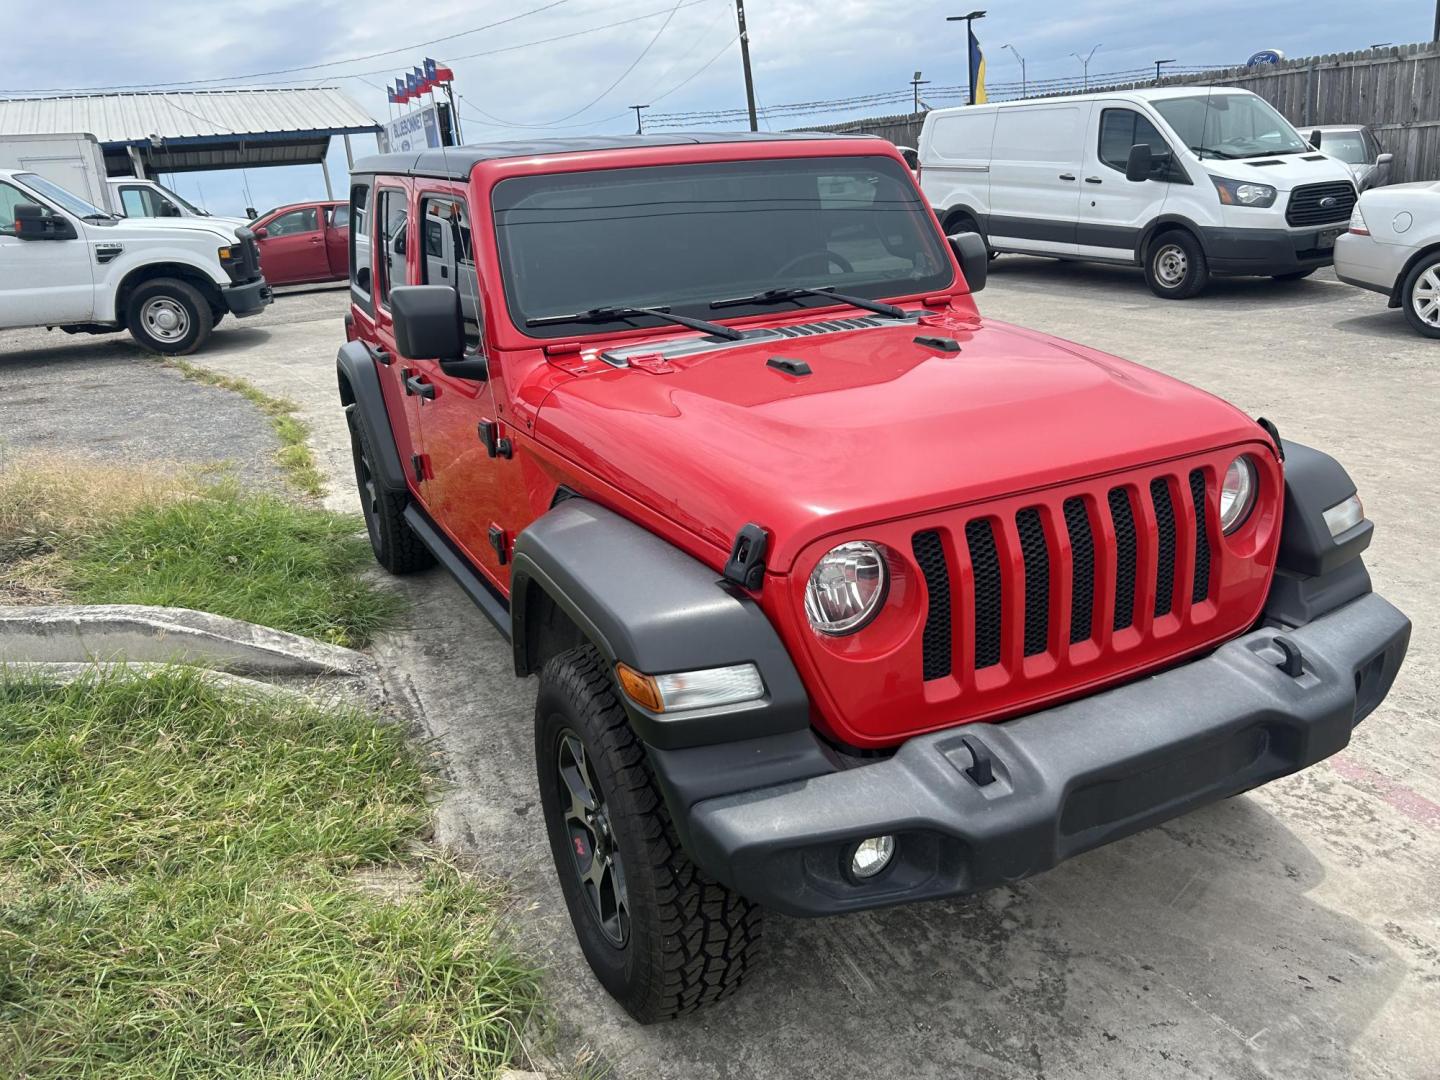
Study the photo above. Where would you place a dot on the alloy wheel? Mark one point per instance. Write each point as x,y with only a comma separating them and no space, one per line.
1425,297
593,852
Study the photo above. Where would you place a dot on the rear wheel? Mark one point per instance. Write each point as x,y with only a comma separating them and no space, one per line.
660,936
169,316
1420,296
1175,266
395,544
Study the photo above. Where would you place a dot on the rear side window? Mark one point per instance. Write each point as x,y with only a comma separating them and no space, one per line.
337,217
391,235
448,258
1120,129
360,283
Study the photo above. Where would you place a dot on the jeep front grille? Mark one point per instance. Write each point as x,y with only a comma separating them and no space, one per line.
1321,204
1067,573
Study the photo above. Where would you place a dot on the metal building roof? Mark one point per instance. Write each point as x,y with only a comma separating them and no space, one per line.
201,129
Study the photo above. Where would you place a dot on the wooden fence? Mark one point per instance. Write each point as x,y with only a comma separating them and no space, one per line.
1395,90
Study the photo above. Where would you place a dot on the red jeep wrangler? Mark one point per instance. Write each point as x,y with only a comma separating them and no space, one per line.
839,594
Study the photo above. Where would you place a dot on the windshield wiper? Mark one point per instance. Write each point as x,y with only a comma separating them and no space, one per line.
1218,153
775,296
611,314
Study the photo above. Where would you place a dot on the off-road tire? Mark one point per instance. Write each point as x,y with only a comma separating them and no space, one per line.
691,941
1407,295
175,299
1294,275
1175,265
395,544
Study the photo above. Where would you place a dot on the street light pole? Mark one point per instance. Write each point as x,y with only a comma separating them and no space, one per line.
1157,68
745,61
916,83
639,127
1085,63
969,71
1025,86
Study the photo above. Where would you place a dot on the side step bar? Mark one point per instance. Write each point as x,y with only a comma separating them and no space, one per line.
496,609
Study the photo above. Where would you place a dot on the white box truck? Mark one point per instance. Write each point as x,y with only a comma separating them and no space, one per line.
74,162
1185,181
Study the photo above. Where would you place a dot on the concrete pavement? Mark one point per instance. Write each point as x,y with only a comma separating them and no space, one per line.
1289,932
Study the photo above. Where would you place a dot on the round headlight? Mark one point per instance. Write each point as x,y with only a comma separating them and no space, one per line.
1237,493
847,588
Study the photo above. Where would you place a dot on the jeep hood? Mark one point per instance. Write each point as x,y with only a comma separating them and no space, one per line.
882,427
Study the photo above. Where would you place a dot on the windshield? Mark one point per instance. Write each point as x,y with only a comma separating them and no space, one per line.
186,203
1348,146
54,192
1229,126
682,236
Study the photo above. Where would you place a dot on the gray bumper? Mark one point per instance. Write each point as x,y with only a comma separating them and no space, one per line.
1066,780
1268,251
248,299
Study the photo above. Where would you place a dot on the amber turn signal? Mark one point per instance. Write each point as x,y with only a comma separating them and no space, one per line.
639,688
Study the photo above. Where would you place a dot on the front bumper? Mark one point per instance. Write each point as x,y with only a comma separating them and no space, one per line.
1265,252
1066,780
248,299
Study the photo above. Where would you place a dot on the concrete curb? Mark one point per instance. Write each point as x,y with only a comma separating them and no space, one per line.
159,635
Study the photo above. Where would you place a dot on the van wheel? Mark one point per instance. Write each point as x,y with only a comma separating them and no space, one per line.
660,936
1175,266
395,544
1420,296
169,316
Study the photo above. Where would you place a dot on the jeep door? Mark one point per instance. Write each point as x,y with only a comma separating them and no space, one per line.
1114,211
1035,177
43,281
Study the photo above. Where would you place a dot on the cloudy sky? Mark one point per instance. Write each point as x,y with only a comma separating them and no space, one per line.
576,65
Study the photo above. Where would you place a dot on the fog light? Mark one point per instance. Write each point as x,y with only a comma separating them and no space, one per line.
871,856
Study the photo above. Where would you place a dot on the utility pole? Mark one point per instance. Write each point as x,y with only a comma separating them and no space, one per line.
969,60
1024,85
639,127
1157,68
915,84
745,60
1085,62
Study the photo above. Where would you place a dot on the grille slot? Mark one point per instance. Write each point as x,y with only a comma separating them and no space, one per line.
930,554
985,561
1037,580
1122,516
1082,569
1305,203
1201,588
1165,529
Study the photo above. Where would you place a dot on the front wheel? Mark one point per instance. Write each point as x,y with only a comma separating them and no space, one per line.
1420,296
1175,266
169,316
660,936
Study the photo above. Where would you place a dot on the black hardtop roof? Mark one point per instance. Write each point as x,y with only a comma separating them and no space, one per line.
456,162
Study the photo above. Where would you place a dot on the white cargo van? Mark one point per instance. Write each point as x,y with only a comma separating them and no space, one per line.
1184,181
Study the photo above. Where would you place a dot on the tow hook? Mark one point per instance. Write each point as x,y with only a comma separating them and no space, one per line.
1292,663
982,767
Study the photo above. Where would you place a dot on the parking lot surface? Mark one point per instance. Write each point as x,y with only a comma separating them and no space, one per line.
1289,932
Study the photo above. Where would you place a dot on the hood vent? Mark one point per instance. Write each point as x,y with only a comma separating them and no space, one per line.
675,348
1313,157
1260,164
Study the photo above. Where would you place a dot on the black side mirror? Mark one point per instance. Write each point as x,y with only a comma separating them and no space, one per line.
1315,138
168,209
33,223
974,256
1140,164
428,322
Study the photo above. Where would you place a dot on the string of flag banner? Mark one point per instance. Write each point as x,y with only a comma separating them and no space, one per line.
420,80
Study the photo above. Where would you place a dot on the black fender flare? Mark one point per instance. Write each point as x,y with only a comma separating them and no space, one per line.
643,602
363,399
1165,221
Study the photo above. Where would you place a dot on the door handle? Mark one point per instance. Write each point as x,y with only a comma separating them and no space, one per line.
1067,176
1093,180
417,384
317,239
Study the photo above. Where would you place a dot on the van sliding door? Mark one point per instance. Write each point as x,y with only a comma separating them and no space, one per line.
1035,177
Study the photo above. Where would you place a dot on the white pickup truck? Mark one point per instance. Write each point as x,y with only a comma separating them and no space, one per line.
68,264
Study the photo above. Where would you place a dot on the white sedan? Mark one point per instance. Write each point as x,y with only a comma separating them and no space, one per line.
1393,247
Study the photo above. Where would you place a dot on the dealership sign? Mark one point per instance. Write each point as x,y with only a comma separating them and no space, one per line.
1265,57
417,129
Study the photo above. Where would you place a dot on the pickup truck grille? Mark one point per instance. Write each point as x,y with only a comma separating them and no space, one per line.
1069,573
1321,204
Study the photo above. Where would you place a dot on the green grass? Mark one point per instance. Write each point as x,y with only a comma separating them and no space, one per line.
294,456
180,894
254,557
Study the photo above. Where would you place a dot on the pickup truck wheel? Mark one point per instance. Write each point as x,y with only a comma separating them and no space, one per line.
660,936
395,544
169,316
1175,266
1420,296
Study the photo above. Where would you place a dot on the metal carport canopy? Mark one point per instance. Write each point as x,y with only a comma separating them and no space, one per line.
190,130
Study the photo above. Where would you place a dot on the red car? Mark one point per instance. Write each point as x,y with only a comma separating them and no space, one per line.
304,242
840,594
